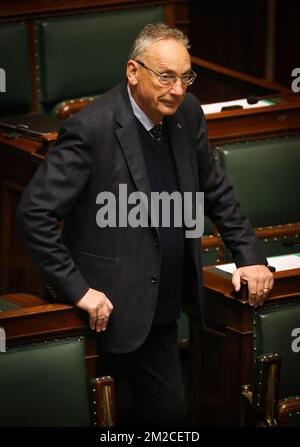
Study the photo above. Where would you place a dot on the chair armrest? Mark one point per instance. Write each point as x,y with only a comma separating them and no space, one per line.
261,397
288,411
103,401
247,393
265,387
66,108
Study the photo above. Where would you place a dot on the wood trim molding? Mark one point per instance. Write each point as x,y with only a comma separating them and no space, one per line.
270,232
32,9
239,76
286,408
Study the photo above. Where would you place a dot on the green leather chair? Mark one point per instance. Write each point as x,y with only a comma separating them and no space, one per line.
14,60
275,391
46,385
266,180
86,55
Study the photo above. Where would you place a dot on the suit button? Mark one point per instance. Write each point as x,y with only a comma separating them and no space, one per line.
156,242
154,279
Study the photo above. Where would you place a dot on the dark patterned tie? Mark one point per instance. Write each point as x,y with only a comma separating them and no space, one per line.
157,133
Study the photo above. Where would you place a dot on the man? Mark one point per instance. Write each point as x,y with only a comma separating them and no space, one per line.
131,279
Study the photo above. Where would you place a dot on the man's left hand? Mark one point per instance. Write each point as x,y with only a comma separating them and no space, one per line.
259,279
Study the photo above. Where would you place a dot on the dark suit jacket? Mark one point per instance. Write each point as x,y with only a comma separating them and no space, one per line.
98,149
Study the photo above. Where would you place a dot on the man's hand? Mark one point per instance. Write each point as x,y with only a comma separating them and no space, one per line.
259,279
98,307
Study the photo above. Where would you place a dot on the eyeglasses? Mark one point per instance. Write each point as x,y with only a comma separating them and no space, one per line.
171,79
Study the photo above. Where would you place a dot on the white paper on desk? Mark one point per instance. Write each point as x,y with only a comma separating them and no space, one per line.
285,262
227,267
216,107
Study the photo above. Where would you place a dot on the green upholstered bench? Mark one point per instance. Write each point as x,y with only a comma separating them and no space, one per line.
86,55
14,60
276,384
266,180
46,385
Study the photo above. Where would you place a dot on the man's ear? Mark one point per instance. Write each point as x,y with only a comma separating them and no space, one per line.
132,72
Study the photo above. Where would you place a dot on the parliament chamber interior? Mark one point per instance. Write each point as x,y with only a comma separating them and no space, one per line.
56,57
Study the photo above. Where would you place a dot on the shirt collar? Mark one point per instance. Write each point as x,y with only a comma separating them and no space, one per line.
139,114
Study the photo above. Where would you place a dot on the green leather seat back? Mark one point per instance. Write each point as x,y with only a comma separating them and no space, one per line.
86,55
273,326
210,256
294,420
44,385
14,60
265,176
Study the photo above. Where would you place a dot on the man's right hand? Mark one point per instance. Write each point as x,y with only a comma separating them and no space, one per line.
99,308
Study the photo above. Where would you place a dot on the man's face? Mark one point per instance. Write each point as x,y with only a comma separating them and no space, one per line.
156,100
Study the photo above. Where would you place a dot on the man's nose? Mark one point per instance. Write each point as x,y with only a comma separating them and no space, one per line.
177,87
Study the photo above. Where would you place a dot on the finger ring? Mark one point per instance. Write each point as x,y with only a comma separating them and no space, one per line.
266,288
99,318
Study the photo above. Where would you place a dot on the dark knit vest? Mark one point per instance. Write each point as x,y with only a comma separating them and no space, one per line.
162,177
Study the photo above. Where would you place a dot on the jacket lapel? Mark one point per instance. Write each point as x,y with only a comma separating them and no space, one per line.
129,140
179,144
128,137
187,182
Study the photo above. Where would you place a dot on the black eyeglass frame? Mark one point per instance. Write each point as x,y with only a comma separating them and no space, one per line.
172,78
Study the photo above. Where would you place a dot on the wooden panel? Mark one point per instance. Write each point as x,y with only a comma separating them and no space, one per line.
258,37
15,9
287,40
231,33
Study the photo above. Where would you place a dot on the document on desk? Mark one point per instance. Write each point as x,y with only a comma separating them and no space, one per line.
6,305
281,263
216,107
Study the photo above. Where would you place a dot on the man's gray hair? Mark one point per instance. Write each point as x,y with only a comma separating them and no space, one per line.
154,32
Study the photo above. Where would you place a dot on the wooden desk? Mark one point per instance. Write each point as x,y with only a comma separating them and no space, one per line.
221,355
282,118
34,320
